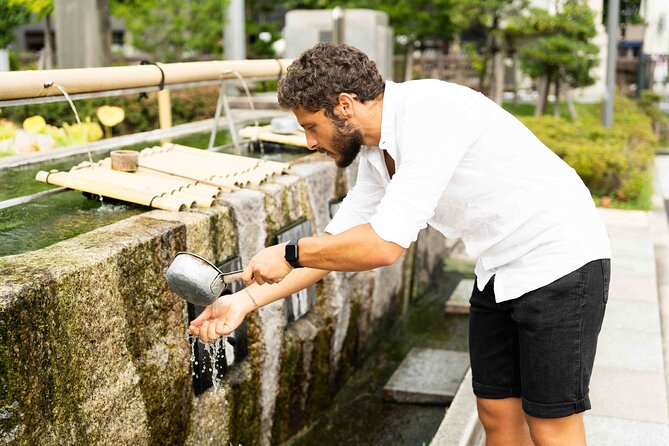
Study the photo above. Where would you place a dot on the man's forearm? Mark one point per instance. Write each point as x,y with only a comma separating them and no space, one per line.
297,280
358,249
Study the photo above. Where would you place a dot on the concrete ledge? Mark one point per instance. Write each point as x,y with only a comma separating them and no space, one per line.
461,426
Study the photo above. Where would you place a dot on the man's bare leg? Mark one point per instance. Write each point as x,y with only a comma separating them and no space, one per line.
557,431
504,422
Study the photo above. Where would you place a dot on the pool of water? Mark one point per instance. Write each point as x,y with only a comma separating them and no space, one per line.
51,219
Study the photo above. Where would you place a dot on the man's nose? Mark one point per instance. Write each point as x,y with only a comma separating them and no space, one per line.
312,143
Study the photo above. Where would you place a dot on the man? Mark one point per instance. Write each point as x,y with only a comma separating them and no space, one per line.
441,154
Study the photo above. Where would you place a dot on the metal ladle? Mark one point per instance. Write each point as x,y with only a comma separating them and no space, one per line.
197,280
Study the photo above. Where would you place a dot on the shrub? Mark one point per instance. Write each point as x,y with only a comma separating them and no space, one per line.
612,162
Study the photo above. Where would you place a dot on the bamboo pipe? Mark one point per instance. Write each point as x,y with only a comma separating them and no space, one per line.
177,182
276,167
191,185
242,160
165,112
179,168
225,185
111,191
265,133
225,163
30,84
154,185
203,166
139,182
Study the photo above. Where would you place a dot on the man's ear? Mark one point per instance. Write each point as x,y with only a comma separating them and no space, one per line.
346,104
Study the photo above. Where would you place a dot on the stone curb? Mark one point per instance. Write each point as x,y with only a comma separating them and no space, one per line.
660,235
461,426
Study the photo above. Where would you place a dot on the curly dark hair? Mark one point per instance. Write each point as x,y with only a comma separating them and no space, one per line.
316,78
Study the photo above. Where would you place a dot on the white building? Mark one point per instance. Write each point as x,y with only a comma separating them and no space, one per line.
362,28
656,38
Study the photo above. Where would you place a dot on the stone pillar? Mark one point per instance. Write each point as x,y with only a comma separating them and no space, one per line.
4,59
78,34
598,89
234,32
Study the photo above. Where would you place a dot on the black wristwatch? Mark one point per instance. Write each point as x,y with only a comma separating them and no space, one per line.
292,254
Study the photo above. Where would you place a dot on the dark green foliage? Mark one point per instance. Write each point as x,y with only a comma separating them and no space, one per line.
561,49
612,162
173,30
11,16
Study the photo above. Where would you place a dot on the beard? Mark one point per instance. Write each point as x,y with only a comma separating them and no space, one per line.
346,142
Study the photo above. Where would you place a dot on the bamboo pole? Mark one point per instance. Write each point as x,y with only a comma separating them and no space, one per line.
180,183
30,84
165,112
265,133
180,166
111,190
242,161
137,182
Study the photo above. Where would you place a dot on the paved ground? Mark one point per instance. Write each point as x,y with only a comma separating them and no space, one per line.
631,375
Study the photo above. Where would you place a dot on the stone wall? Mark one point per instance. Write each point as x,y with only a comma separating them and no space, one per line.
93,345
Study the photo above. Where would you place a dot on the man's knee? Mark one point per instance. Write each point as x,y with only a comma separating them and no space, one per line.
557,431
496,414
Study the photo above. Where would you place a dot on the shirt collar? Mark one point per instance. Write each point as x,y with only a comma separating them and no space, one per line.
387,141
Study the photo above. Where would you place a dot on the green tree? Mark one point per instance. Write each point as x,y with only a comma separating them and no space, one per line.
42,9
562,53
492,18
11,16
428,22
170,30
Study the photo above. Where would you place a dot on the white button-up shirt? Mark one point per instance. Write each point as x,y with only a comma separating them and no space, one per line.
473,171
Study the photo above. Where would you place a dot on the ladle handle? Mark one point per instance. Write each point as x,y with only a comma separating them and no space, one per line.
232,277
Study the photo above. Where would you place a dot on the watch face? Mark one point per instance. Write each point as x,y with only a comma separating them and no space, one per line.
291,253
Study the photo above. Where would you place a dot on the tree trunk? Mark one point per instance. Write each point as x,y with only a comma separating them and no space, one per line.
105,31
514,78
48,43
541,90
441,51
556,104
408,62
570,105
547,90
498,77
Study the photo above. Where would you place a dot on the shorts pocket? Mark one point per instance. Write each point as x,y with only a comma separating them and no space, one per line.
606,277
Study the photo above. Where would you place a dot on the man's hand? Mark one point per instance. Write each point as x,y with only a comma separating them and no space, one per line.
222,317
268,266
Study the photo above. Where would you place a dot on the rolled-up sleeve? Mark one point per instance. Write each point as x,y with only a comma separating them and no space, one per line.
360,202
432,140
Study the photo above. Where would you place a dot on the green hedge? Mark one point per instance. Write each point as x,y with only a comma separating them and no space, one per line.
612,162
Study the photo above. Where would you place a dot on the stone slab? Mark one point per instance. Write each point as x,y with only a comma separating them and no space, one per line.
605,431
461,425
632,288
633,258
427,376
631,315
630,350
614,218
458,302
629,394
662,165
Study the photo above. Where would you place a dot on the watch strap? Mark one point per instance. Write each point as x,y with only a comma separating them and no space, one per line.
292,253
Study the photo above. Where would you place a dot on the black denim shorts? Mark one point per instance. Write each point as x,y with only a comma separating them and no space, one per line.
541,346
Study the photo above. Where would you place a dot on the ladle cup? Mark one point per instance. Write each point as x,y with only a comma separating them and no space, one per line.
197,280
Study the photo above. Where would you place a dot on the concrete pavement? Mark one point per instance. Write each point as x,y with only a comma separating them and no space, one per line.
630,379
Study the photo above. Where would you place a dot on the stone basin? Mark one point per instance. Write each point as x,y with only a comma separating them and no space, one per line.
93,347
